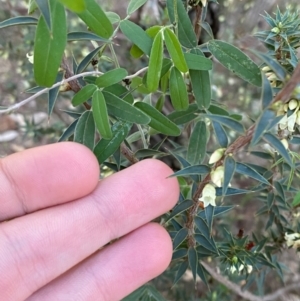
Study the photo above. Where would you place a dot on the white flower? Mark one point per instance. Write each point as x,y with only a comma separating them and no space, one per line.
288,122
248,267
204,2
292,240
293,104
216,155
30,57
208,195
217,176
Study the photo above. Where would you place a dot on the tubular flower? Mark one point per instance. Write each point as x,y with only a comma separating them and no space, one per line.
217,176
216,155
208,195
289,122
292,240
248,268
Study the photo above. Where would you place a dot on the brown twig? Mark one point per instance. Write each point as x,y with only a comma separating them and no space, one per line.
197,27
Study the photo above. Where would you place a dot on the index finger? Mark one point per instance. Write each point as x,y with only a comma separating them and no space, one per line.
45,176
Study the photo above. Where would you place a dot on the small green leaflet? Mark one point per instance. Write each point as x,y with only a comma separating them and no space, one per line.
236,61
111,77
18,21
159,122
197,144
134,5
197,62
100,115
49,47
178,92
175,51
155,63
105,148
85,130
84,94
96,20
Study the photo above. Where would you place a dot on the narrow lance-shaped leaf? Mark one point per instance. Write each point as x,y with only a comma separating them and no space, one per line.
186,33
105,148
87,60
85,130
96,20
180,271
85,36
175,51
267,92
178,92
192,170
69,131
136,35
49,48
134,5
44,7
181,117
201,88
193,261
229,170
250,172
84,94
111,77
179,238
197,143
100,115
185,205
209,215
227,121
53,93
18,21
236,61
155,63
76,6
220,134
159,121
197,62
119,108
277,144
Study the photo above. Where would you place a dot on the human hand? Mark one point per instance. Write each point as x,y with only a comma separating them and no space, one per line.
60,215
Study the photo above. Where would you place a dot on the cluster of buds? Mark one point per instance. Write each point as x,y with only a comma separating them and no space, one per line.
291,115
271,76
216,176
242,267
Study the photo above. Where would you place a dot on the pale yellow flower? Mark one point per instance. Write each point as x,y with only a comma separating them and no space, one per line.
208,195
292,240
217,176
216,155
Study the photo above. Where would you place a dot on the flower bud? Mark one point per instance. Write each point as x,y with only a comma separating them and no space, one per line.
216,155
293,104
208,195
265,69
30,57
275,30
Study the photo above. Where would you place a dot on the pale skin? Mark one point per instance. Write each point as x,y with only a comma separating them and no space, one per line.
56,246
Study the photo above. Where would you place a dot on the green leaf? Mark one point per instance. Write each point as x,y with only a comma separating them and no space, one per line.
119,108
49,48
201,274
220,134
229,170
181,270
155,63
100,115
206,243
178,92
236,61
113,17
192,170
44,7
105,148
197,144
193,261
273,64
197,62
202,226
262,125
84,94
121,91
87,60
179,238
185,205
18,21
227,121
136,35
96,20
134,5
186,116
69,131
231,191
75,6
85,36
53,93
179,253
296,200
175,51
111,77
85,130
186,34
267,92
159,121
277,144
201,88
244,169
